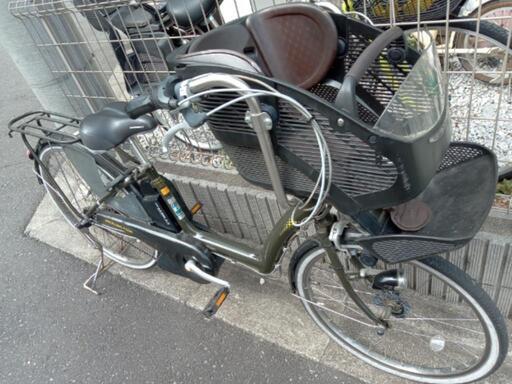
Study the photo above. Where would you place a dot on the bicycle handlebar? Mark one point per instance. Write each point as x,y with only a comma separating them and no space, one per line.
372,52
140,106
159,98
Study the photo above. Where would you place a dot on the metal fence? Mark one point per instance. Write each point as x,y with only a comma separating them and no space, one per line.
114,50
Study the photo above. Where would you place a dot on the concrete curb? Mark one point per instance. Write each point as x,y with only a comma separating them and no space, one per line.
264,310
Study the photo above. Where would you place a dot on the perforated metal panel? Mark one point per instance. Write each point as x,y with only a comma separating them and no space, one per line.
251,165
459,154
357,168
394,251
329,93
383,79
326,92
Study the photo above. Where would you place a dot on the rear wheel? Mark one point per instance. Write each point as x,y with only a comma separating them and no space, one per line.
490,43
443,328
490,47
117,246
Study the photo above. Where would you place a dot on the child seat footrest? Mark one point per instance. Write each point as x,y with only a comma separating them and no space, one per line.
459,196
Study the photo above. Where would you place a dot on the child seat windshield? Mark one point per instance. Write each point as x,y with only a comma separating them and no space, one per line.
419,103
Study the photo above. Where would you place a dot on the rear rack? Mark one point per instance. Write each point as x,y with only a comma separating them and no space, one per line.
49,126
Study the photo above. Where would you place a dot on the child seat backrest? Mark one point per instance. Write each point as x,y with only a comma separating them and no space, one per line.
296,43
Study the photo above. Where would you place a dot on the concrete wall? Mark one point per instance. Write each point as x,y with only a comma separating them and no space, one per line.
234,207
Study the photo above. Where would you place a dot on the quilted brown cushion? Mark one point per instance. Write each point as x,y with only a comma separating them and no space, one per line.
411,216
297,43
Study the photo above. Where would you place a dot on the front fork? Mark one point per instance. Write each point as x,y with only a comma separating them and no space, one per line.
326,242
340,272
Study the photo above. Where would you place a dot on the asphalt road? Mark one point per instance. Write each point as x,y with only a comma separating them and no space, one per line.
52,330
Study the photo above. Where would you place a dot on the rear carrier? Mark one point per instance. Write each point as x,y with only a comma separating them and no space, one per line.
47,126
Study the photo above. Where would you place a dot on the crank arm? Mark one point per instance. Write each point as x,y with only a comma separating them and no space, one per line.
219,297
340,272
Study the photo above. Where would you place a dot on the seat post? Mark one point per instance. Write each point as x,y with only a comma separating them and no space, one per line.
138,151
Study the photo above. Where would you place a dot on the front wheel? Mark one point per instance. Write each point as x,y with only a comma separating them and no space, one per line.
443,327
486,55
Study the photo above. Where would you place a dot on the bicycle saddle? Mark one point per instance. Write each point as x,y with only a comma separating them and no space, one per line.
187,12
111,126
131,17
296,43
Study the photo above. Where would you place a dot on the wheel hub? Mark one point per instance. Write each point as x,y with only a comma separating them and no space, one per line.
392,300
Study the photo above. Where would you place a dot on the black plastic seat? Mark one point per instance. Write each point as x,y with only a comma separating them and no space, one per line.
111,126
127,18
187,12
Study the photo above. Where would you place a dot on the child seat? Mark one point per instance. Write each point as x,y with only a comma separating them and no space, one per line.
264,46
294,43
380,101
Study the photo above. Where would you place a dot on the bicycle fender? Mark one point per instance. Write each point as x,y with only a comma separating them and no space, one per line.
85,163
299,253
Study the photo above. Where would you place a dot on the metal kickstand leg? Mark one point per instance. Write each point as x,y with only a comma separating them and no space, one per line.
90,283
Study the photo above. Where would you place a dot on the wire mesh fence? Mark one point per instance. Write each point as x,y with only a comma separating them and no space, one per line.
114,50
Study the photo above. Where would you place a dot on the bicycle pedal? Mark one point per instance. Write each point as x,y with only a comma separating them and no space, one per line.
216,302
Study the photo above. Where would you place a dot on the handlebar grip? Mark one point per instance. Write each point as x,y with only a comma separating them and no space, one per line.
160,97
140,106
372,52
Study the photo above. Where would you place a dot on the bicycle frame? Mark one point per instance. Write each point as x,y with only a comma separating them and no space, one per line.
173,210
263,261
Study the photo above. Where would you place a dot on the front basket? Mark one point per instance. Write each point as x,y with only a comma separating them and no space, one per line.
380,11
460,197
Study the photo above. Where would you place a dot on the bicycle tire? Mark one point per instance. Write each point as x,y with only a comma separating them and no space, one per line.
493,320
462,28
489,31
491,6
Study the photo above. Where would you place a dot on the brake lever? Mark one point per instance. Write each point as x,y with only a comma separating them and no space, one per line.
164,96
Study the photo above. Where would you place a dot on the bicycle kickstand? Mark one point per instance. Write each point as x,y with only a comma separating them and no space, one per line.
90,283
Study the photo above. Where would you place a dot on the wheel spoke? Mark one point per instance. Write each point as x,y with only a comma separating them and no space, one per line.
427,336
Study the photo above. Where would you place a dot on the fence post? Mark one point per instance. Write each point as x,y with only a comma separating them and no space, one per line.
58,70
20,47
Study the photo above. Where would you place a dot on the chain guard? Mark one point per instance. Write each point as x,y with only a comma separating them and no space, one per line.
174,262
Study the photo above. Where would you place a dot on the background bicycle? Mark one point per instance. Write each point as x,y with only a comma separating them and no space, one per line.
75,47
